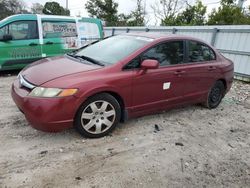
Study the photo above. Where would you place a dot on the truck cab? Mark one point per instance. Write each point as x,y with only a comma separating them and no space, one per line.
26,38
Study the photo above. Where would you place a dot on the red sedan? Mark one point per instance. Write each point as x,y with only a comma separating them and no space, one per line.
118,78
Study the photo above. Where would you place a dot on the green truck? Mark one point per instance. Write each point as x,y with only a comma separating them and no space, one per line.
25,38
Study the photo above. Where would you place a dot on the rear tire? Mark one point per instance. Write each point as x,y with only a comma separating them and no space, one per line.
98,116
215,95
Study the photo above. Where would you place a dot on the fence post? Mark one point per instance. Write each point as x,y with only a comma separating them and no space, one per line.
113,31
174,30
127,30
215,31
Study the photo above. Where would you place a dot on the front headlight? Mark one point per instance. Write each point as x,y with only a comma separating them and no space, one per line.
51,92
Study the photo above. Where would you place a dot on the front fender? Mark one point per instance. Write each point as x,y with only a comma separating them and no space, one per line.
94,90
84,95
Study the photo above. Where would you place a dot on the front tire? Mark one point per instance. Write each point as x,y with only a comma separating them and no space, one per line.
98,116
215,95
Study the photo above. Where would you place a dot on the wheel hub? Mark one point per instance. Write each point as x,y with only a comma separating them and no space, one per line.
98,117
215,94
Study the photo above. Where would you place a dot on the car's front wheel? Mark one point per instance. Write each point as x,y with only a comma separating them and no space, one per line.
98,116
215,95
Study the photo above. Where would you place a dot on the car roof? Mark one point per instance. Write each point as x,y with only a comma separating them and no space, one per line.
159,35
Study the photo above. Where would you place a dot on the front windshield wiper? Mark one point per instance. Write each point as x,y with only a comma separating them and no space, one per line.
91,60
86,58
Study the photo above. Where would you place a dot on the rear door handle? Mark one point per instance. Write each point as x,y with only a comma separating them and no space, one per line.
211,68
33,44
179,72
49,42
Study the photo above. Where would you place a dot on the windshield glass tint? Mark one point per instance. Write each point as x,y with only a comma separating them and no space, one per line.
114,49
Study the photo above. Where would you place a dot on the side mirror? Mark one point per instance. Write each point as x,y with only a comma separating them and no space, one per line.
6,38
149,64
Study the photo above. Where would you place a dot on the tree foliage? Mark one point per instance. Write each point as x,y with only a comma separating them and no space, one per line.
103,9
10,7
228,14
37,8
54,8
123,19
174,12
167,10
192,15
179,12
137,17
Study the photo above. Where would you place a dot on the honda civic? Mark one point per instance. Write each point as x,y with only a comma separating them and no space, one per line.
121,77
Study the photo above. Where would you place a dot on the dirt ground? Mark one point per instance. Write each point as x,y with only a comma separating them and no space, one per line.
194,147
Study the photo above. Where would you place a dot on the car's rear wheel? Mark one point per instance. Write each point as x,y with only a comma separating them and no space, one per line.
215,95
98,116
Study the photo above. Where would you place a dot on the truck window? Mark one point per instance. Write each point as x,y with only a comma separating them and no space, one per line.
89,31
3,31
54,29
23,30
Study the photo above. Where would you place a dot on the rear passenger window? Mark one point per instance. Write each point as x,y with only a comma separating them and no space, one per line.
169,53
58,29
198,52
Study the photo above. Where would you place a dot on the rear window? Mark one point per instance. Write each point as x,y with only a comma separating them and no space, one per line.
114,49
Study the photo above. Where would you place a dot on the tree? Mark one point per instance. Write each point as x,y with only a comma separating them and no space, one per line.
167,10
37,8
54,8
123,19
192,15
10,7
228,14
137,17
103,9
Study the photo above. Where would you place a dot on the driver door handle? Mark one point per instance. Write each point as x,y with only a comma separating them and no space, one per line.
211,68
33,44
179,72
49,42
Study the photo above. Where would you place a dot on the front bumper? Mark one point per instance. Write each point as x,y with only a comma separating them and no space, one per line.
46,114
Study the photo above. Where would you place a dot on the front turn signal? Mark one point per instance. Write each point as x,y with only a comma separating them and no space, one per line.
67,92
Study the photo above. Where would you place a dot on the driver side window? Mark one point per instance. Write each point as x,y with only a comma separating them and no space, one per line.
168,53
3,31
20,30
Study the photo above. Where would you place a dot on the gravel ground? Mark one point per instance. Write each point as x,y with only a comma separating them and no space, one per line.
194,147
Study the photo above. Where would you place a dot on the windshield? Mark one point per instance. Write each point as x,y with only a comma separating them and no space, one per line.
114,49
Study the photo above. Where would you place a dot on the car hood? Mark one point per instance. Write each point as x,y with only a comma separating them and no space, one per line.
48,69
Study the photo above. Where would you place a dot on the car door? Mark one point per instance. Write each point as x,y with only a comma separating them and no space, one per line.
59,36
200,71
158,88
22,47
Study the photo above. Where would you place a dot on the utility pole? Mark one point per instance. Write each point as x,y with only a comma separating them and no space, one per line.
240,3
67,5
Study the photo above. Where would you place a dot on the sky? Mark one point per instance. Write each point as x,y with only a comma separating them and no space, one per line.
77,7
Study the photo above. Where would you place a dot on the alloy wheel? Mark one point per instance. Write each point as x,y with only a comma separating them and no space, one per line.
98,117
